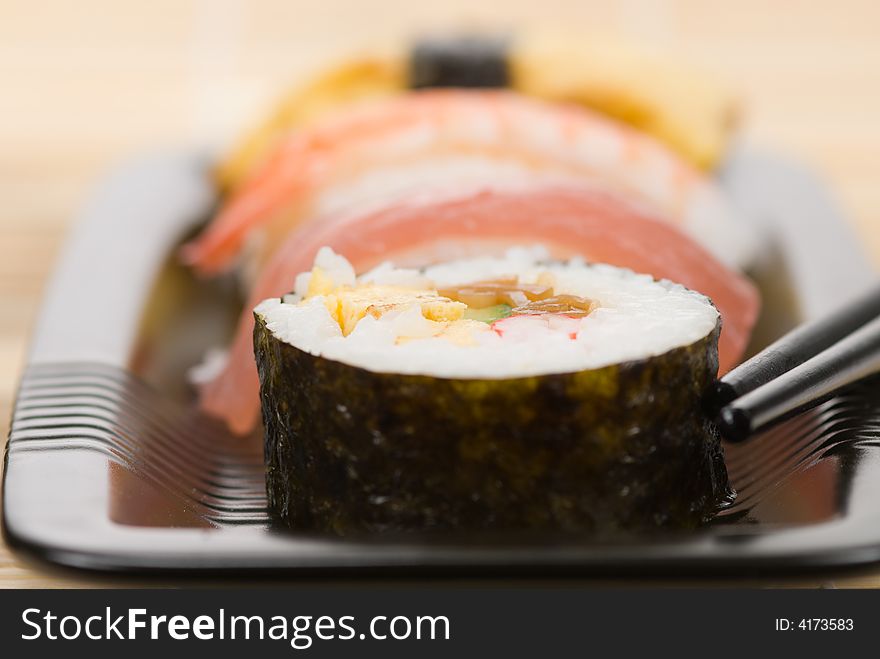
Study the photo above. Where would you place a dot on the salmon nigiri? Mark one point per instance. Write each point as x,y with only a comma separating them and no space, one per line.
380,152
568,221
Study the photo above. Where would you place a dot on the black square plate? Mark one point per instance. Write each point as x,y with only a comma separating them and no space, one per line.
110,467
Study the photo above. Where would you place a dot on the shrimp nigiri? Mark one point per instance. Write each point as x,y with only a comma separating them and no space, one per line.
344,155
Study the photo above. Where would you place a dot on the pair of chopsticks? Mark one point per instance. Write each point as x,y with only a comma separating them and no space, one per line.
802,369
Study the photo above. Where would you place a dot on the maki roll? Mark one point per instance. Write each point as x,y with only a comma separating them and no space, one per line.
496,393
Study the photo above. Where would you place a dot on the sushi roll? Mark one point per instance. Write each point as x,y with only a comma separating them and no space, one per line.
495,393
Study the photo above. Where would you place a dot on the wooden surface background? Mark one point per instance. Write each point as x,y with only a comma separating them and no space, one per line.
84,84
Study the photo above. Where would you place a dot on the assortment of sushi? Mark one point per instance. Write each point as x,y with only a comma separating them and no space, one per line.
458,264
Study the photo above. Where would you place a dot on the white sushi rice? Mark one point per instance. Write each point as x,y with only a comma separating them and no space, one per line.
637,318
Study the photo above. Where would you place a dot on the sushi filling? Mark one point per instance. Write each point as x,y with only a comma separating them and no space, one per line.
496,317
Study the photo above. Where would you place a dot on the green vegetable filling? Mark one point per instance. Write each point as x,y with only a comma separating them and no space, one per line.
488,314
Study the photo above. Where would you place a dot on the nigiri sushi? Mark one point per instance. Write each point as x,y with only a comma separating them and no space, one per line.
496,393
566,221
378,153
689,112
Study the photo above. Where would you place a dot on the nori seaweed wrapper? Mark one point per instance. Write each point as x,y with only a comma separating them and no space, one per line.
475,61
620,449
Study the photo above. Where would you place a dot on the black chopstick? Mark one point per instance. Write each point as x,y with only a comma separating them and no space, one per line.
795,348
852,358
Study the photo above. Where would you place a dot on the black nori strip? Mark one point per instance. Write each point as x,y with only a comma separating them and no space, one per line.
616,449
459,61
